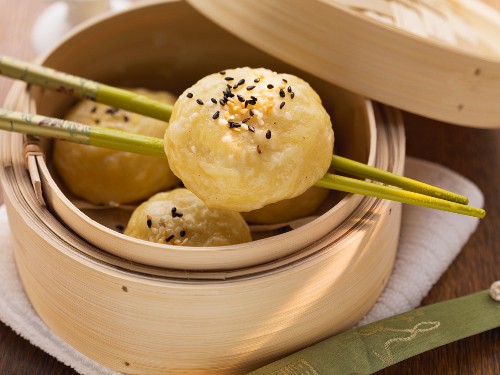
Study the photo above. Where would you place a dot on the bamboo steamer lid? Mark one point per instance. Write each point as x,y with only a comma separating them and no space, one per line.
439,59
139,316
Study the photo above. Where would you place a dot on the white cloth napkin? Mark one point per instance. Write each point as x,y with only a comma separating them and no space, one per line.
429,242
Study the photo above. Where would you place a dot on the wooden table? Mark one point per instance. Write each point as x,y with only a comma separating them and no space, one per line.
474,153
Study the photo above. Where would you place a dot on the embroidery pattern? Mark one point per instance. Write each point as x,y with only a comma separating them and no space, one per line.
421,327
301,367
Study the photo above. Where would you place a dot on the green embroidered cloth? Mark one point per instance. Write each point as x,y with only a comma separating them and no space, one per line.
370,348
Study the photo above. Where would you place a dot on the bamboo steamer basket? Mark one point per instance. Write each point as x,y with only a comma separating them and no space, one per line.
137,308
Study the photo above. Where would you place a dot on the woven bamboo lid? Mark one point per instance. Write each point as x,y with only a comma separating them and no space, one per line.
439,59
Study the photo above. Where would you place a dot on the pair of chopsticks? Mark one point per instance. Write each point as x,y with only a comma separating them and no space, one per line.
402,189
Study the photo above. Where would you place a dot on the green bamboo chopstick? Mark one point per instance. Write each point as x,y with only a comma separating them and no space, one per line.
79,133
351,185
83,88
358,169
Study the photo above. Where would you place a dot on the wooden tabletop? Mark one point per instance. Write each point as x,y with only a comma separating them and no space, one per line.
474,153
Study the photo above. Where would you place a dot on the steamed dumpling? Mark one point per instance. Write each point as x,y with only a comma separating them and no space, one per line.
107,177
245,138
288,209
178,217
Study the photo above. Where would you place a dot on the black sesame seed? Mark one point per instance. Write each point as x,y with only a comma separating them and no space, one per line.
229,78
245,120
216,115
189,95
246,103
252,102
222,102
228,86
231,124
228,93
241,82
251,128
93,109
235,86
169,238
292,95
199,101
149,223
282,93
112,110
251,112
270,86
289,89
253,98
256,80
282,105
222,72
259,150
214,100
179,214
250,87
268,134
173,210
125,118
284,80
240,98
182,233
236,125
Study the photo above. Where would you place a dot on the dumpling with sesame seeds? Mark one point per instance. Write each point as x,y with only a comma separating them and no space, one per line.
244,138
288,209
107,177
178,217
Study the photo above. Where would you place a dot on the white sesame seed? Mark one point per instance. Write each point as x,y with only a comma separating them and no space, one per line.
223,122
244,126
226,138
193,149
288,116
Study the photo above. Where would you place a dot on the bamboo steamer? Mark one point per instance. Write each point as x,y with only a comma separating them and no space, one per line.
139,308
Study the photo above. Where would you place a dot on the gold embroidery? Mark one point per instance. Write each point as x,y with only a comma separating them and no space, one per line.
301,367
379,327
389,358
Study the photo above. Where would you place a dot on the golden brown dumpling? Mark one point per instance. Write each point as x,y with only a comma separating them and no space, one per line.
245,138
288,209
178,217
109,177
